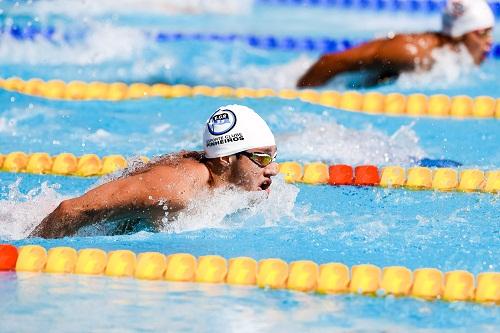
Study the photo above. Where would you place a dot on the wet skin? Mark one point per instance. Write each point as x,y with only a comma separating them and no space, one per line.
174,181
393,55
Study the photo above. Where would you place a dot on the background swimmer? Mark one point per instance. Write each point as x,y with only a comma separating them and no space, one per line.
239,151
466,23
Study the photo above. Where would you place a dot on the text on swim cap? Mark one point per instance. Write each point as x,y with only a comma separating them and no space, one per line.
225,139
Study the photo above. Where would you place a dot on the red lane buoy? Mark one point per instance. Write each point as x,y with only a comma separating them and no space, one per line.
8,257
340,174
366,175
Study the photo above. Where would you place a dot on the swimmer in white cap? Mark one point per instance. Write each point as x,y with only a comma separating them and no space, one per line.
239,152
466,23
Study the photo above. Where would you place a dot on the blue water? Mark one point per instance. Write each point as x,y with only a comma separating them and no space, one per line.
116,47
326,224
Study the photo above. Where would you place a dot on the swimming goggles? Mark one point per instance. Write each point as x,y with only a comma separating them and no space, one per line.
261,159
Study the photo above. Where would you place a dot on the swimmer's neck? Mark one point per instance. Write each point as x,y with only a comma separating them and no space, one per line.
218,171
447,40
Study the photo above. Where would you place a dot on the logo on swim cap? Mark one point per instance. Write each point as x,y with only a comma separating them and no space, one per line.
457,8
221,122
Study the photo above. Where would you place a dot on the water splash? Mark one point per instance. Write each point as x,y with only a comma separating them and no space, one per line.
104,42
450,68
311,137
21,213
7,125
227,208
77,9
238,74
230,208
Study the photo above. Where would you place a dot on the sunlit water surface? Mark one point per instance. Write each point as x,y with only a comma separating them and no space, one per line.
350,225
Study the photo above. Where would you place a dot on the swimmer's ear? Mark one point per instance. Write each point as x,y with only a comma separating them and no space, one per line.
225,160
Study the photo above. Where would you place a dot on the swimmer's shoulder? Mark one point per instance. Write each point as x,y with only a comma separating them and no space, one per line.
404,48
422,40
184,166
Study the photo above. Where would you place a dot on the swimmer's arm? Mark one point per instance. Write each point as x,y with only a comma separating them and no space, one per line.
388,54
117,197
330,65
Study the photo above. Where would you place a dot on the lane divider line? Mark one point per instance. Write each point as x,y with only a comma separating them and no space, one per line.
302,276
267,42
394,104
416,178
407,6
64,164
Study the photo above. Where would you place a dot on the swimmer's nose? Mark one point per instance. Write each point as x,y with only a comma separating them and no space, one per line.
271,170
489,41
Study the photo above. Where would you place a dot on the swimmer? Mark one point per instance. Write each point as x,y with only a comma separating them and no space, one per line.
239,152
466,23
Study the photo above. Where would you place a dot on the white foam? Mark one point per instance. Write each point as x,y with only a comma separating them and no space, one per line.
103,43
163,128
312,137
238,74
227,208
163,65
85,8
451,69
21,213
230,208
7,125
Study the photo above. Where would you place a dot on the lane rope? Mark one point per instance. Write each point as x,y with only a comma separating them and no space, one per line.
303,275
267,42
408,6
372,102
415,178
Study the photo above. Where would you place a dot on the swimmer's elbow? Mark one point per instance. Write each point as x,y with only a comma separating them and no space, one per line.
65,207
306,82
319,73
55,225
303,82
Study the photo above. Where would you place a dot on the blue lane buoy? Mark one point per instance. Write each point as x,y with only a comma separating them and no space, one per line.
162,37
253,41
329,45
310,44
289,43
49,32
346,44
496,8
16,32
364,4
414,5
496,51
270,42
432,163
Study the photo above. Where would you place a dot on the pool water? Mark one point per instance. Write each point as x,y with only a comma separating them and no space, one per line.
447,231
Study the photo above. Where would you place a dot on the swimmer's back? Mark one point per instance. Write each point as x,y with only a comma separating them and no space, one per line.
175,175
403,51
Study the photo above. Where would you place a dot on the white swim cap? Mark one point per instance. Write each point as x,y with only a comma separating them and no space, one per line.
463,16
235,128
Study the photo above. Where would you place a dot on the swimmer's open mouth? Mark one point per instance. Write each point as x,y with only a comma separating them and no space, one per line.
265,185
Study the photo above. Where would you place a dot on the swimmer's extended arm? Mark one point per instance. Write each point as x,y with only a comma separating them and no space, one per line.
388,54
117,197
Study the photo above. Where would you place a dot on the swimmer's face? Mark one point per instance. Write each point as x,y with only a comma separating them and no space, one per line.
479,44
250,176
